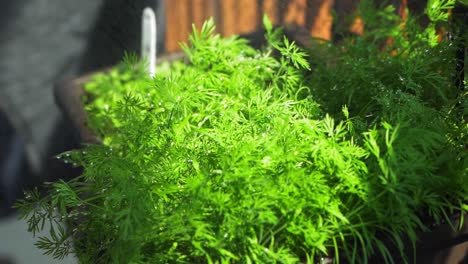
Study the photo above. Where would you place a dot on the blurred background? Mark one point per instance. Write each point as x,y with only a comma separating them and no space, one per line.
45,41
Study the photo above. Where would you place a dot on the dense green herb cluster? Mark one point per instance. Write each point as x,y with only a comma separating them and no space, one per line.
401,73
230,159
394,63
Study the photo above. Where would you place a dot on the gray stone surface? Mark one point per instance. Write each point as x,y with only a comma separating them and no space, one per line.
17,245
40,40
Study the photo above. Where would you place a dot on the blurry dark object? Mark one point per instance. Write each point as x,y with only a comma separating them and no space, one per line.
68,93
5,260
117,30
15,171
444,245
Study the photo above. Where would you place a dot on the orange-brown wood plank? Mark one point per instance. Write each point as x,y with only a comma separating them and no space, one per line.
212,10
295,12
229,17
177,23
170,39
198,12
270,8
184,18
323,20
248,16
357,27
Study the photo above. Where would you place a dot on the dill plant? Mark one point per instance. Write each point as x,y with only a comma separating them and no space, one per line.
230,159
402,73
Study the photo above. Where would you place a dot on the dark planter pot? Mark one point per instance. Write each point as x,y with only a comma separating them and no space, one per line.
68,96
444,245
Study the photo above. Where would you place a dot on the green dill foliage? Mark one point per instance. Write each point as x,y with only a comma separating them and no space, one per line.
400,73
230,159
394,63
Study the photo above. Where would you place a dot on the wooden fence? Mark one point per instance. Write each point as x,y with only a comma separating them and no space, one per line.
244,16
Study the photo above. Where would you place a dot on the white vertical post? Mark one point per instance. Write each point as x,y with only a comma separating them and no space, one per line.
148,39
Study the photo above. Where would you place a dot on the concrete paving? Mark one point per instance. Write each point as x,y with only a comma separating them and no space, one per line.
17,245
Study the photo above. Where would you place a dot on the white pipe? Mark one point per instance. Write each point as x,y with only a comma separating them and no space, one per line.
148,39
